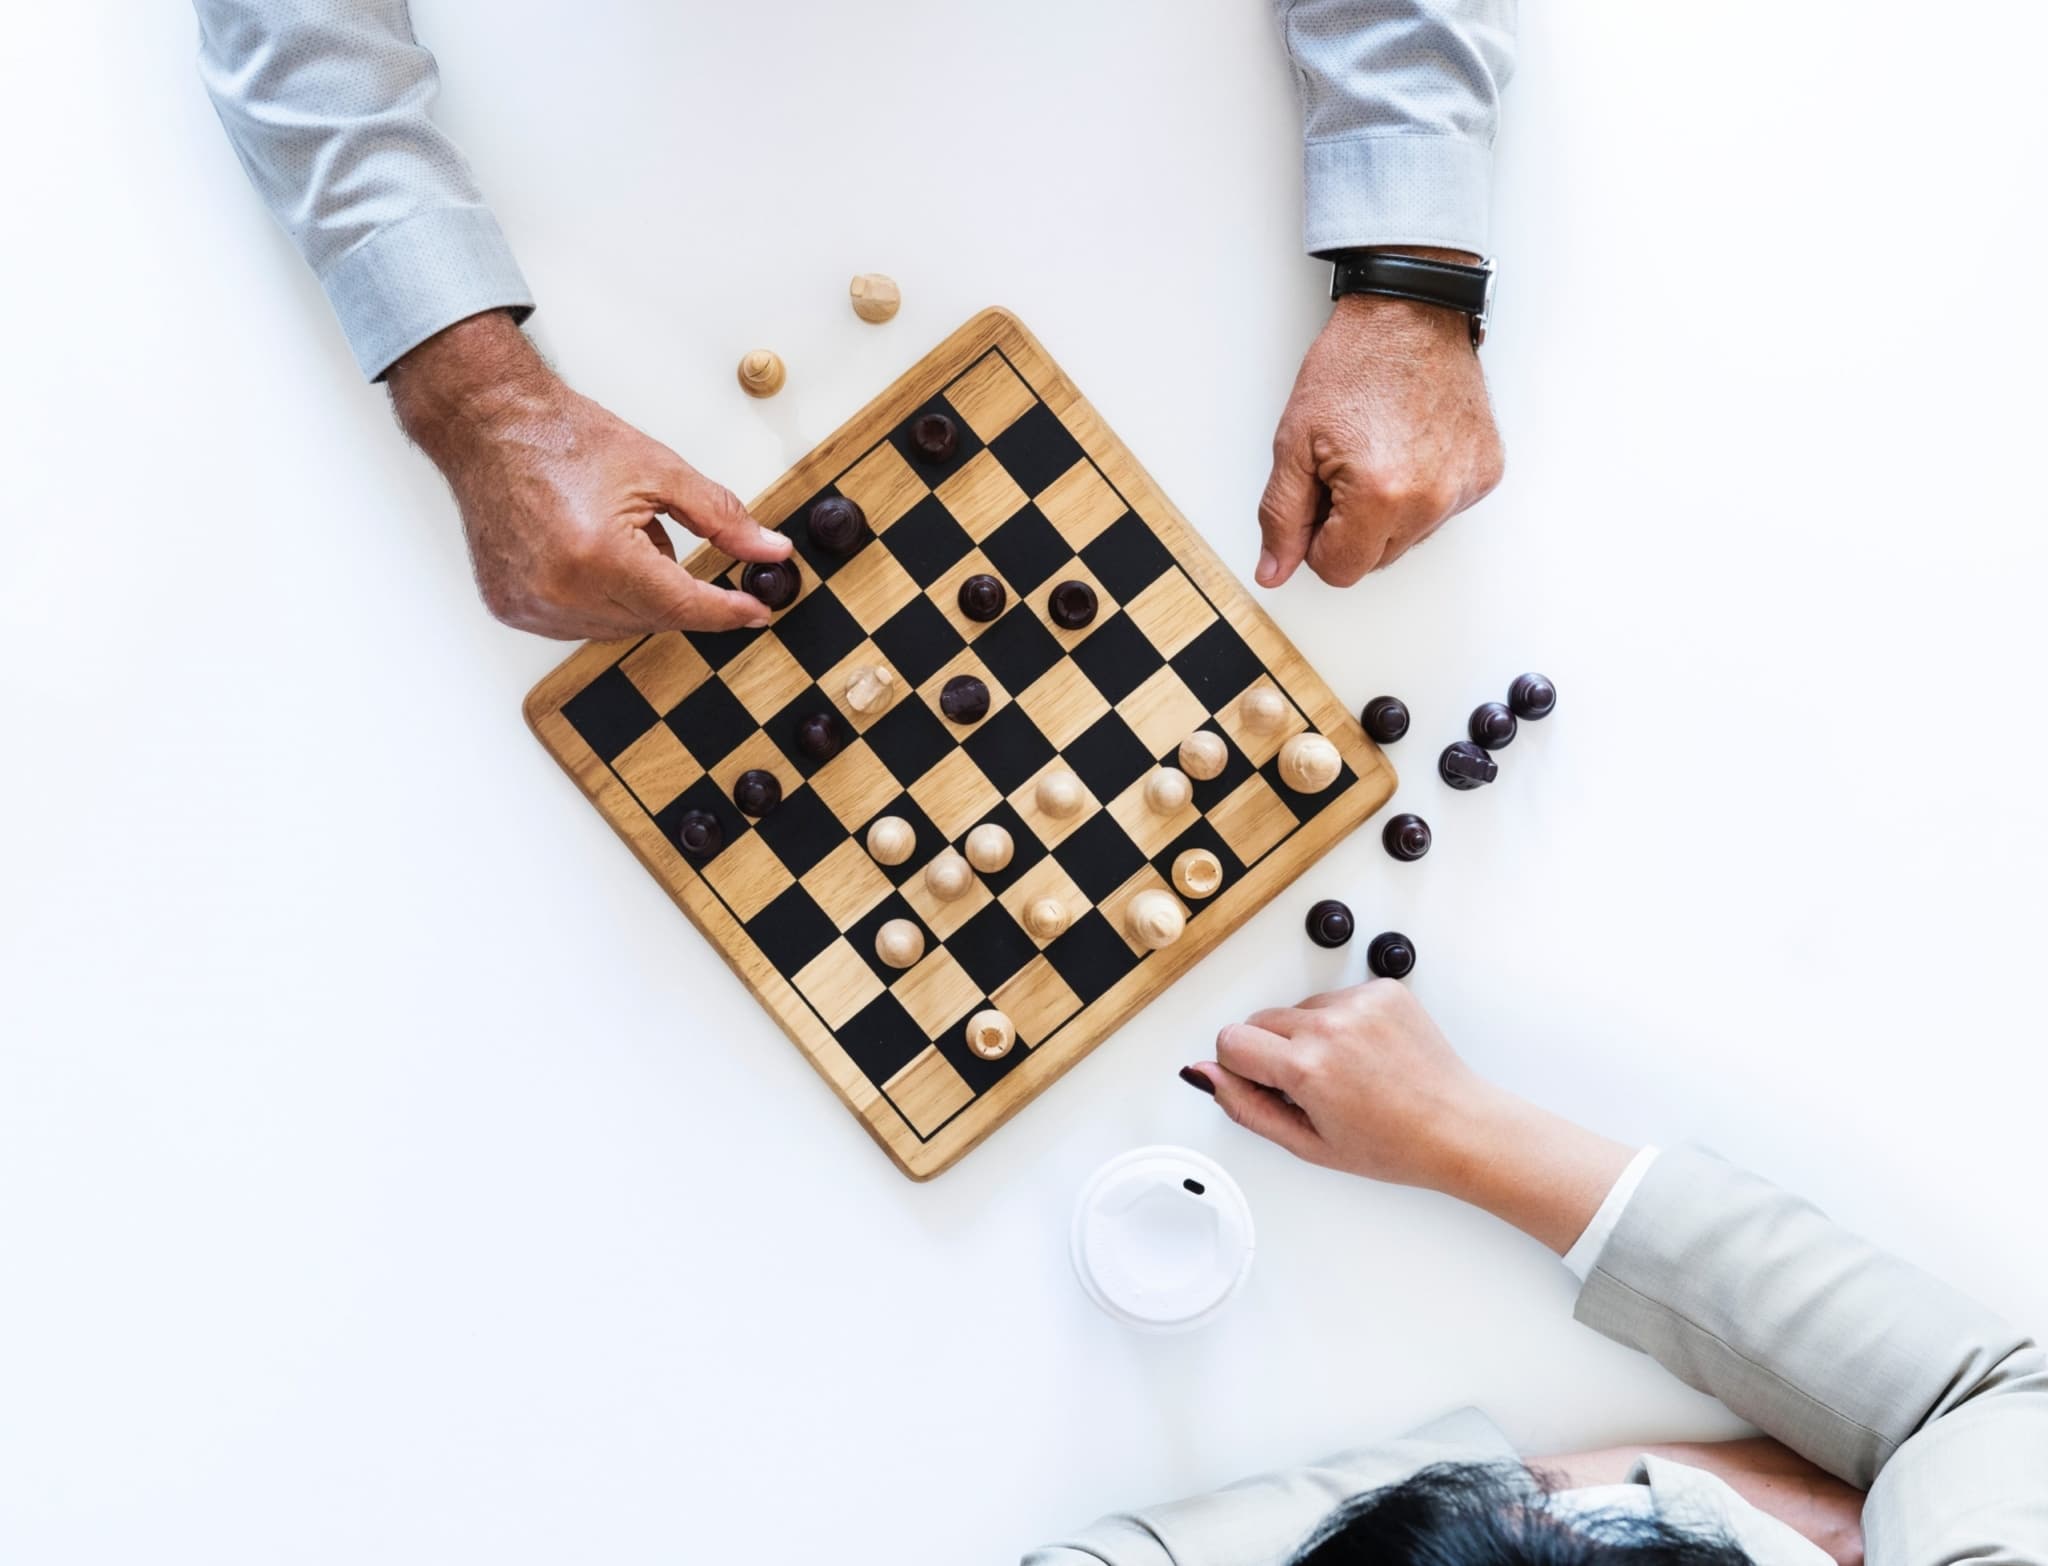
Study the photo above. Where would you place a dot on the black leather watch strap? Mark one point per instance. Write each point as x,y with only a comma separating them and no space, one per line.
1450,285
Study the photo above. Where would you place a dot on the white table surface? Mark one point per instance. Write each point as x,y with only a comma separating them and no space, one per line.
387,1170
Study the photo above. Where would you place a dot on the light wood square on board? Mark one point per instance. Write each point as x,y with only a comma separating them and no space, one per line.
964,662
990,396
982,496
656,768
1036,1000
1047,878
846,883
855,785
747,875
883,485
1080,503
835,680
1052,830
945,592
1116,907
955,794
942,918
1171,612
928,1092
872,586
665,669
1041,605
1145,826
937,992
1258,748
756,751
1252,819
1062,702
838,983
765,678
1163,711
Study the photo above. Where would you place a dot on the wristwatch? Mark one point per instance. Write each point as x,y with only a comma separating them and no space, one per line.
1450,285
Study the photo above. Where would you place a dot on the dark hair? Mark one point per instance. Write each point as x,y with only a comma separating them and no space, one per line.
1498,1514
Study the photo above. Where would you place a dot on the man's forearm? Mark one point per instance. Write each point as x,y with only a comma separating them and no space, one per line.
474,375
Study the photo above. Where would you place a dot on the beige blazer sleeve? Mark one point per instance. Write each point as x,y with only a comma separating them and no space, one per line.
1881,1374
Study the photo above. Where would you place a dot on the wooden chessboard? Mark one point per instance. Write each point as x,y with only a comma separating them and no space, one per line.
1039,491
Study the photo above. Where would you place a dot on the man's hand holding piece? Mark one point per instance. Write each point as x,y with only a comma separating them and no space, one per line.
1386,435
560,498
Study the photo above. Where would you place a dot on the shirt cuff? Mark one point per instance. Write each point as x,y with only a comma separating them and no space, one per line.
426,272
1587,1247
1396,190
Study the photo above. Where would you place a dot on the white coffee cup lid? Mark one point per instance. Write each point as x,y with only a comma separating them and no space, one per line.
1162,1238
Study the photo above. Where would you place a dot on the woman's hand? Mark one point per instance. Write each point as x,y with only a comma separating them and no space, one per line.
1362,1080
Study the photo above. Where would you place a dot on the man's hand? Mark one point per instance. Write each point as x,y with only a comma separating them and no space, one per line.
1362,1080
559,498
1387,434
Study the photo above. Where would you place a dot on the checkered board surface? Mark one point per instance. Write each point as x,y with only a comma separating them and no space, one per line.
1039,491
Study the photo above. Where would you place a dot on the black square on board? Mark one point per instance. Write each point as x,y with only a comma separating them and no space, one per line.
1027,549
1025,852
882,1038
721,647
910,738
936,473
1118,657
1307,807
821,561
1037,449
860,935
1008,746
979,1074
701,795
610,713
926,838
1127,557
1211,792
711,722
926,541
782,728
1018,648
818,632
792,930
802,830
1217,665
991,947
917,640
1091,956
1108,757
1099,856
1200,835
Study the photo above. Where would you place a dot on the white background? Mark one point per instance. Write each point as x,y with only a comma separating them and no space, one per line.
387,1170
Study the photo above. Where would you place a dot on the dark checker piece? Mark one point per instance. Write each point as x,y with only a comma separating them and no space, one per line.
1491,725
1391,956
1072,604
964,700
820,736
774,582
1464,765
1329,923
1406,837
982,597
1385,719
1532,696
756,792
934,437
838,525
699,835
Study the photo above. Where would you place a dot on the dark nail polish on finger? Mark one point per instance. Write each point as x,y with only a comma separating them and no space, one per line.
1195,1079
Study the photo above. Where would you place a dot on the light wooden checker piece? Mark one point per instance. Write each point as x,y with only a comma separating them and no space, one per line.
1038,490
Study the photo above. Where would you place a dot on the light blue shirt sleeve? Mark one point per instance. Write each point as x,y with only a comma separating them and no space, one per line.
1399,103
326,102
